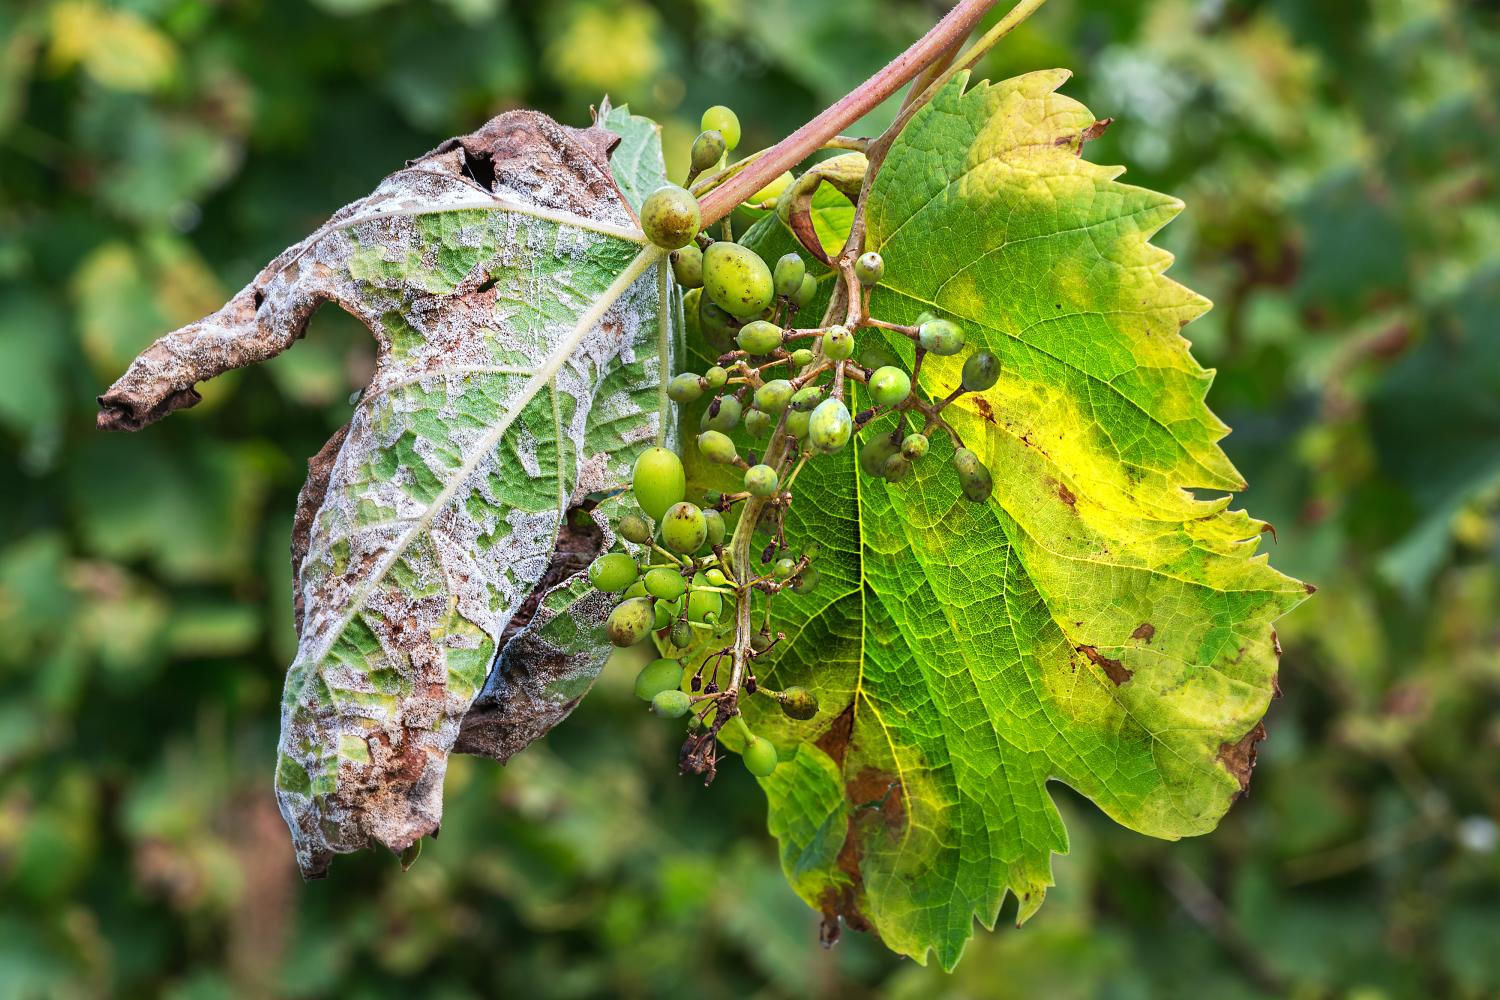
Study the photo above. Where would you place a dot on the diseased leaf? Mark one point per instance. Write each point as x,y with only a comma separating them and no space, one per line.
1095,623
522,329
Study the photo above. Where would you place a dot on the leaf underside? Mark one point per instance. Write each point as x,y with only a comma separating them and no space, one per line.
1095,623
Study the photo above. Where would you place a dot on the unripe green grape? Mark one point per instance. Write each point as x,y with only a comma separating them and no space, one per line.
790,270
670,217
774,396
656,677
687,266
612,572
726,419
659,481
671,704
896,468
684,388
773,190
802,357
758,423
877,356
875,451
716,577
708,148
806,292
798,703
760,642
683,529
717,447
715,523
889,386
759,756
869,268
981,371
941,336
830,426
714,323
737,280
759,337
631,622
838,343
796,423
914,447
806,580
634,528
973,477
682,634
807,398
810,550
761,480
716,377
784,568
665,612
703,604
665,582
637,589
724,121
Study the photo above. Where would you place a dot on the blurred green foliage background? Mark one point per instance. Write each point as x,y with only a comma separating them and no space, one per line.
1340,162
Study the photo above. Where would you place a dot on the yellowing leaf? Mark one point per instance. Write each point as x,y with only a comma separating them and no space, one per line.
115,46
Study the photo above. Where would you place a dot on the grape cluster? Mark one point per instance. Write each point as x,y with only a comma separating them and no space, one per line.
693,584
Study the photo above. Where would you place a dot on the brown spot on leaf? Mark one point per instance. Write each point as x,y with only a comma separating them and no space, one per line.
835,740
983,408
1271,528
1066,496
309,501
1095,130
1113,669
1145,632
1238,757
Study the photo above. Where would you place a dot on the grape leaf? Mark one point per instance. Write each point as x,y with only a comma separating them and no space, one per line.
1095,623
522,328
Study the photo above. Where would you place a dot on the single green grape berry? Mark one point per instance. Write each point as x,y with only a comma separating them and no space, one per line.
981,371
875,451
784,568
637,589
670,217
807,398
830,426
708,148
724,121
877,356
716,377
612,572
703,605
774,396
941,336
796,423
806,580
717,447
684,388
716,577
659,481
631,622
759,756
726,419
914,447
715,522
671,704
656,677
773,190
665,612
687,266
802,357
716,325
760,642
758,423
973,477
634,528
790,270
797,702
761,480
869,268
896,468
806,292
838,343
665,582
889,386
737,280
683,529
682,634
759,337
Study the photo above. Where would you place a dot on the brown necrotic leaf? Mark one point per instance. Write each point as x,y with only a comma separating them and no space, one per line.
522,329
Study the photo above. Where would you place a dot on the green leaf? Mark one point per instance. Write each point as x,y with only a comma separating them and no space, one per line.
637,162
1094,624
522,327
